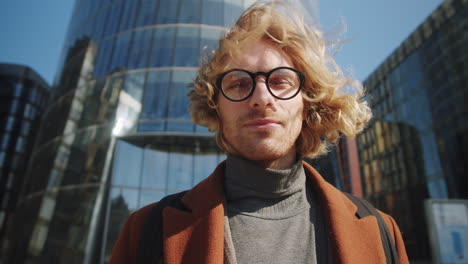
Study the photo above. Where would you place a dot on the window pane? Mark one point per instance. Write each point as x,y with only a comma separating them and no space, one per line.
18,88
134,85
140,48
146,13
180,172
10,123
204,166
232,10
104,55
13,107
155,99
129,14
161,53
99,23
127,164
20,144
178,114
5,140
120,54
167,12
212,12
155,169
32,94
113,19
187,46
189,11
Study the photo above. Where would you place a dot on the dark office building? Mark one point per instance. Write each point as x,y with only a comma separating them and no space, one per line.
416,146
23,96
340,166
116,134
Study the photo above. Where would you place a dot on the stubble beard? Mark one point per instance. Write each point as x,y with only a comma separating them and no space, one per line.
264,147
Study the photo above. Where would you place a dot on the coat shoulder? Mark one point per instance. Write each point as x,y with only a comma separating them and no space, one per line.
125,249
397,237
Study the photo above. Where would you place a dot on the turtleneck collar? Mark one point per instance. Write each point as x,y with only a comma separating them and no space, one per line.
244,179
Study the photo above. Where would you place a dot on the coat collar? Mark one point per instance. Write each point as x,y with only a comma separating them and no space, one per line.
198,236
354,240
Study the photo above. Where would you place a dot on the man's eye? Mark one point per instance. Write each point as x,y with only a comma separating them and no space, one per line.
239,85
280,83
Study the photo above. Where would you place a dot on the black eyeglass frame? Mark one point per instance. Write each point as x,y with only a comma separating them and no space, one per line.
253,76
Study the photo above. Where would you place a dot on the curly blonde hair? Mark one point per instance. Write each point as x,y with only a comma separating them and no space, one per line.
330,111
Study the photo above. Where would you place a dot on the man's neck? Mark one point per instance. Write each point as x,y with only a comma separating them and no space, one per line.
282,163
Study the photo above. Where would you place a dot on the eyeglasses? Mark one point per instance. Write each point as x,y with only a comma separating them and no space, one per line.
283,83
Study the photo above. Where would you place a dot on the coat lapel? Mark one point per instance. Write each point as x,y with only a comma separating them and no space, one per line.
197,236
353,240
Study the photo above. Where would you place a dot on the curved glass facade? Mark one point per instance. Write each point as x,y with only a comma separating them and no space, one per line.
116,134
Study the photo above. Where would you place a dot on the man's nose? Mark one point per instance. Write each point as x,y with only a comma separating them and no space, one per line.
261,97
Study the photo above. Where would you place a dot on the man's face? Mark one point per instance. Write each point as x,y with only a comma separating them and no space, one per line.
263,128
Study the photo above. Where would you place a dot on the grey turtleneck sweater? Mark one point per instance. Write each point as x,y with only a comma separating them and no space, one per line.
273,216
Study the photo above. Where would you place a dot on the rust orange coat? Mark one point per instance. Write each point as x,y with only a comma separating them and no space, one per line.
198,236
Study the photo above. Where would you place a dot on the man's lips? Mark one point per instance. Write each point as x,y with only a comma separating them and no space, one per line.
263,123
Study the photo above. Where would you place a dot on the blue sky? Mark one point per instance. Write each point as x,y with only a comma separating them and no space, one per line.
33,31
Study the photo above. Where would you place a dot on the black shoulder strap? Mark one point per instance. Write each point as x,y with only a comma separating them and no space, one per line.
366,209
150,246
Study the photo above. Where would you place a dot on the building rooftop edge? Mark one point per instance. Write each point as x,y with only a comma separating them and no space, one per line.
23,71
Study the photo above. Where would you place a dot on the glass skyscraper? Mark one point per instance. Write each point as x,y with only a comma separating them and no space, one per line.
416,146
116,134
23,97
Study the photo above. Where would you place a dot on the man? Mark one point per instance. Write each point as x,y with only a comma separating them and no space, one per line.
272,95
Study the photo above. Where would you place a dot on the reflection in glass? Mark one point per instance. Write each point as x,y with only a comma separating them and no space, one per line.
128,15
203,166
167,13
129,197
97,25
187,47
178,114
129,106
113,19
155,100
120,54
180,172
127,164
146,13
155,169
189,12
133,85
103,57
232,10
140,48
163,45
212,12
119,212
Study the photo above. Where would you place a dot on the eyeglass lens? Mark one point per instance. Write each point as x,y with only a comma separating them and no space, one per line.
282,83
